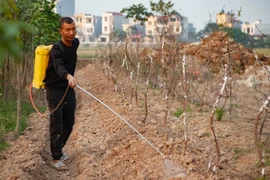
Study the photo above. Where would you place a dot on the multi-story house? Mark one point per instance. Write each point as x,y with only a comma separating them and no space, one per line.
256,28
227,20
151,28
175,23
252,29
110,21
88,27
156,25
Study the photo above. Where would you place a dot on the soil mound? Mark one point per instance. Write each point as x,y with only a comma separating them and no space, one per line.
218,48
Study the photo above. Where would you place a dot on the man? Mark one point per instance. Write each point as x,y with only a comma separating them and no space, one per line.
59,83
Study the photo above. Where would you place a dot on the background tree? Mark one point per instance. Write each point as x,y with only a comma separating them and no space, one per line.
23,26
120,34
137,12
140,12
210,28
10,47
10,30
11,42
163,8
39,14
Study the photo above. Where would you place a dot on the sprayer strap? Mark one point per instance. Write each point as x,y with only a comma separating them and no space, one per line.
59,43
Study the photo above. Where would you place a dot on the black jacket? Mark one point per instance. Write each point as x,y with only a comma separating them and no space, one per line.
62,61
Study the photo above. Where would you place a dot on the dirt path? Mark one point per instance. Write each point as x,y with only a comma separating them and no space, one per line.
101,146
104,147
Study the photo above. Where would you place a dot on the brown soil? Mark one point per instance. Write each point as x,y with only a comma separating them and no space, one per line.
102,146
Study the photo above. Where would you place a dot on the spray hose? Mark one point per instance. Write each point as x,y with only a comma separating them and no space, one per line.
45,115
35,107
142,137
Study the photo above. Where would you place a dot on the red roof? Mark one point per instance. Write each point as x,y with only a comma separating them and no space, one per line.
135,36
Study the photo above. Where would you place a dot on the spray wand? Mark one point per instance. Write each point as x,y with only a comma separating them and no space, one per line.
170,168
122,120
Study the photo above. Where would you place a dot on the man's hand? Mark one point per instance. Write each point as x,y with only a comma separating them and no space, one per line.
71,81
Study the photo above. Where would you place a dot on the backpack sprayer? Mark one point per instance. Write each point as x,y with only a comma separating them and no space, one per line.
42,55
40,65
41,62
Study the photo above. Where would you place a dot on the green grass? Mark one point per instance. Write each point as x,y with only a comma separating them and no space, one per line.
264,51
180,111
8,117
86,52
220,112
239,152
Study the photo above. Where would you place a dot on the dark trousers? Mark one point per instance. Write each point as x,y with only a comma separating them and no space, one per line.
61,120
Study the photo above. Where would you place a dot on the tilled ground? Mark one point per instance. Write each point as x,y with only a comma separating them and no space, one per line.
102,146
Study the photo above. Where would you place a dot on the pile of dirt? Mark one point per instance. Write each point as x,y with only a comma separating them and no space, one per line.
216,50
213,51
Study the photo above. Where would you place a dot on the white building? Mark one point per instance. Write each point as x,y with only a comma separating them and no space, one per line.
256,28
88,27
110,21
155,25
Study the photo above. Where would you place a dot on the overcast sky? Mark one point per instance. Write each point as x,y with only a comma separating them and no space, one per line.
197,11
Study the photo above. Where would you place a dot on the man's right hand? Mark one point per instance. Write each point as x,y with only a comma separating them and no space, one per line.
71,81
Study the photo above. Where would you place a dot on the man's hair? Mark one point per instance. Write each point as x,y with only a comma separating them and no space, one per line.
67,20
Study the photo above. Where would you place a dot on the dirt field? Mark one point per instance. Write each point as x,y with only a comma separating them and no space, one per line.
104,147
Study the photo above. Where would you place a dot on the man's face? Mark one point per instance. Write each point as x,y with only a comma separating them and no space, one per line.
68,31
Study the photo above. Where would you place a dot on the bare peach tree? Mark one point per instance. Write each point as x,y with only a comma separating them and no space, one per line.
233,18
164,9
146,89
213,166
136,83
184,104
257,135
258,127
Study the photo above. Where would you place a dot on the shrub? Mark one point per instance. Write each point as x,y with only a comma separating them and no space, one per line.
180,111
220,113
8,117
